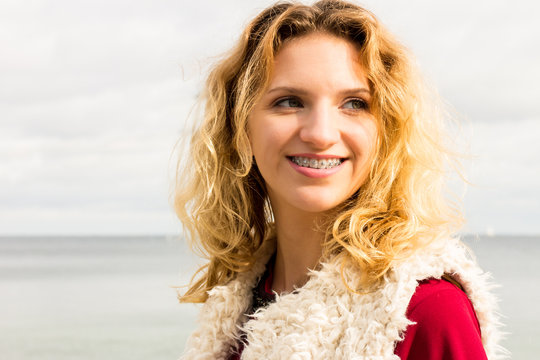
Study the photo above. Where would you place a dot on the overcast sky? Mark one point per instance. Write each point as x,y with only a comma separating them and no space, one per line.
94,95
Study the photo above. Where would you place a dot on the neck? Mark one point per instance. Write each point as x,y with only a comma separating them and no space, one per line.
299,248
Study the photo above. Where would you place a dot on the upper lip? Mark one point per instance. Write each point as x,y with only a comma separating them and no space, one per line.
318,156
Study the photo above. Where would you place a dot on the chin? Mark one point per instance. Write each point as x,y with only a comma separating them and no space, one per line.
317,204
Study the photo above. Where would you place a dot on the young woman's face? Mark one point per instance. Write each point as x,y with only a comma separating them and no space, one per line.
312,133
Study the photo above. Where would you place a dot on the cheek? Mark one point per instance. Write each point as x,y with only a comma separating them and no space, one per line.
364,138
253,135
258,139
371,136
373,142
269,135
372,147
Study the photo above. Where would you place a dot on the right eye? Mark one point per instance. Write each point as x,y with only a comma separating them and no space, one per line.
289,102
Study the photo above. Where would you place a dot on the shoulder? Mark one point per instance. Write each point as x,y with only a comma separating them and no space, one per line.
444,324
437,297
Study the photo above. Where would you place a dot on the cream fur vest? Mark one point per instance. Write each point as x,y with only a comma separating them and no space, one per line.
325,320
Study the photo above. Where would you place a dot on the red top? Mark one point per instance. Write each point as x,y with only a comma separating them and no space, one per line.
446,325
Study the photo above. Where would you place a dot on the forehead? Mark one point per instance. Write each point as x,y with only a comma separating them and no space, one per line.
319,57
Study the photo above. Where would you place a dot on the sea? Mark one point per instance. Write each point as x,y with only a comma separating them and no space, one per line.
99,297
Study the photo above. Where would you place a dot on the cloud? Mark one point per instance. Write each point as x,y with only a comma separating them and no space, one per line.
94,95
478,54
113,183
504,174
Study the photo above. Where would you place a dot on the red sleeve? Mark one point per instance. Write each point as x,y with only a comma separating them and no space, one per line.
446,325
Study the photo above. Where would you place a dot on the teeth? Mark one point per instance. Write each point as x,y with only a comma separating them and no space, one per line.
316,164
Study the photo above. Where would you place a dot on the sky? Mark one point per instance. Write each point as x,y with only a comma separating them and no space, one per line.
94,96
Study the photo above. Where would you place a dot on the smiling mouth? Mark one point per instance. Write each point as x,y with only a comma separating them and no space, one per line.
316,163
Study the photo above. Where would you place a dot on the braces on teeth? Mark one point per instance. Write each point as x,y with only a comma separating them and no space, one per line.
316,164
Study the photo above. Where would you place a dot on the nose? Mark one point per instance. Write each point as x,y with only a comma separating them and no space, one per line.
320,127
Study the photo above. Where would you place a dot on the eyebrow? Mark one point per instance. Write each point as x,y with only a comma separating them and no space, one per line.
300,91
288,89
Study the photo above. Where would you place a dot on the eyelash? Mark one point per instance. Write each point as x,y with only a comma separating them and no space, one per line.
363,104
289,98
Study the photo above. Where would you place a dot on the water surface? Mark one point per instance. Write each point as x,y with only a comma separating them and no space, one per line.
111,297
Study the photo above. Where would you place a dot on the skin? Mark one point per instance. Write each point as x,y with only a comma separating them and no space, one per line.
316,105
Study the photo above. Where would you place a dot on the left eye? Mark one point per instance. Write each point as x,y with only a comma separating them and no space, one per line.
289,102
355,104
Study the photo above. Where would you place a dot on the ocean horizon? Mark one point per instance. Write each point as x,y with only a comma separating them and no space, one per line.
103,297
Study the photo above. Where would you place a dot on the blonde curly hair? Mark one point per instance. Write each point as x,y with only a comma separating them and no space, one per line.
400,208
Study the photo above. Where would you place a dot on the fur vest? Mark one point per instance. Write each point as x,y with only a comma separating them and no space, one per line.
325,320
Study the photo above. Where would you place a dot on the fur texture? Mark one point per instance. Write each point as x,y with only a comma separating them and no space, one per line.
325,320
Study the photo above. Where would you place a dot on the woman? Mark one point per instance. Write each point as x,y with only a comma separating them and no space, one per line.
316,193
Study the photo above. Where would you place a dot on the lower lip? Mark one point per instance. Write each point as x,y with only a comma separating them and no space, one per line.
315,173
